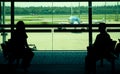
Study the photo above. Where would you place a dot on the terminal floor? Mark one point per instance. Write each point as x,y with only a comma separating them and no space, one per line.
61,62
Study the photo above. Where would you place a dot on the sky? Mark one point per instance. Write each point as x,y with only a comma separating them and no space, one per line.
37,4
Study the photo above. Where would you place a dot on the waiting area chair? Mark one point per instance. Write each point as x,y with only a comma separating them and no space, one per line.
93,56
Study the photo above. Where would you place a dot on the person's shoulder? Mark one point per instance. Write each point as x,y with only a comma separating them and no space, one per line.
99,34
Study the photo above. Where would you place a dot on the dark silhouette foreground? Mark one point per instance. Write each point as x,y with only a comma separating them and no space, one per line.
103,48
16,49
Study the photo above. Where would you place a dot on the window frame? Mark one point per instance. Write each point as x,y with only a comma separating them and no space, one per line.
90,27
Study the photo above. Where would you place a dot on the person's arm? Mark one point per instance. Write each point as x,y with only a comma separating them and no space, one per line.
26,43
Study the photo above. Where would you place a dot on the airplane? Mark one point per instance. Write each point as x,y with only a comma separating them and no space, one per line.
76,20
71,20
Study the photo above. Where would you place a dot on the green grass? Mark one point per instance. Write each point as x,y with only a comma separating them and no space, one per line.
40,19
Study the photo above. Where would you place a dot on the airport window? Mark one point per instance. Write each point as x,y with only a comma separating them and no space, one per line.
107,12
51,12
58,13
54,13
5,18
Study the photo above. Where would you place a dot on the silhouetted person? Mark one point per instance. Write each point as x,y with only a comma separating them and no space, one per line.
100,49
102,41
21,47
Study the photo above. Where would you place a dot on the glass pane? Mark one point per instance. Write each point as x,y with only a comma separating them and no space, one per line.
70,41
42,41
62,11
0,13
33,12
83,7
112,12
5,12
107,12
50,12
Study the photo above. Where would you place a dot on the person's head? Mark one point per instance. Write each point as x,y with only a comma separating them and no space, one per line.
102,27
20,25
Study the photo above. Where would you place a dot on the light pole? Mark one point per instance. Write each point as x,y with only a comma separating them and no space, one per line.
71,9
79,9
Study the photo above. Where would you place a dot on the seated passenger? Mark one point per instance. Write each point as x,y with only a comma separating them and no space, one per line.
102,43
102,48
21,47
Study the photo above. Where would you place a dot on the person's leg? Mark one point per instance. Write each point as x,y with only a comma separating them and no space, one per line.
27,60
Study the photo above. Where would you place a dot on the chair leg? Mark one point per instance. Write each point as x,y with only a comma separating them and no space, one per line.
101,62
17,62
90,65
113,66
